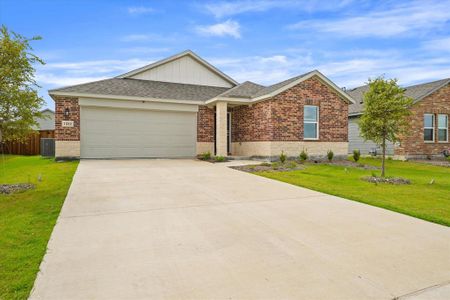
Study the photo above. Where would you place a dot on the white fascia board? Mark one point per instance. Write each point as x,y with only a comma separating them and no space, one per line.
229,100
130,98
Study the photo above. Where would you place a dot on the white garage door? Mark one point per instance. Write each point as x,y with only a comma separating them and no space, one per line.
116,132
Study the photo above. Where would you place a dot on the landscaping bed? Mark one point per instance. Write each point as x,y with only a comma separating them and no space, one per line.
15,187
389,180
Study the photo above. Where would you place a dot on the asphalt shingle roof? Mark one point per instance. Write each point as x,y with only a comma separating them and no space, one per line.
146,88
244,90
415,92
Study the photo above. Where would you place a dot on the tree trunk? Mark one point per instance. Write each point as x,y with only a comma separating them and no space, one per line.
383,145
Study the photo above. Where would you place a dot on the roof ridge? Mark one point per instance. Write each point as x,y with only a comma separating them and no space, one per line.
430,82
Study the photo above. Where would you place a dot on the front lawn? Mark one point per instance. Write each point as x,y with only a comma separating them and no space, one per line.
419,199
27,218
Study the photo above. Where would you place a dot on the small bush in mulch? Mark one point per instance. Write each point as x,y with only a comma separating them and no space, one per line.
389,180
212,159
15,188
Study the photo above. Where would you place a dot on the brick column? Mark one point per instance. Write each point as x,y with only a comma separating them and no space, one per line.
221,129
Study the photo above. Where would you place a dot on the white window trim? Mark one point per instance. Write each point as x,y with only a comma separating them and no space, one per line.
446,128
433,128
311,122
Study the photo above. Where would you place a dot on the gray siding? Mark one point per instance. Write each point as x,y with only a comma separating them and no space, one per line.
355,141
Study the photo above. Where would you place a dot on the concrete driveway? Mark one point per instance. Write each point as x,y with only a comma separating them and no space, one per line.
184,229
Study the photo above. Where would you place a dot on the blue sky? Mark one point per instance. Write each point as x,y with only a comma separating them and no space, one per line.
263,41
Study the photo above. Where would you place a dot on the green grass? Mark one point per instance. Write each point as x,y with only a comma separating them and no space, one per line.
27,218
430,202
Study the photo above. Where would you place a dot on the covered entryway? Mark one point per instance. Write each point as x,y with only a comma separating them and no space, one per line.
132,133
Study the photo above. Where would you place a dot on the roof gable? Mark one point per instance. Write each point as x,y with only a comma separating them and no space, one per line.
185,67
416,92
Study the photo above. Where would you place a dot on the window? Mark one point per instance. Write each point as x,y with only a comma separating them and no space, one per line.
442,128
310,122
428,127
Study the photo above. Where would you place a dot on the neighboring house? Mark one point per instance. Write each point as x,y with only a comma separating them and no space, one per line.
182,106
45,128
46,124
428,134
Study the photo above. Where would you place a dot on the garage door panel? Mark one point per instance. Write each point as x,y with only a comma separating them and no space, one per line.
109,133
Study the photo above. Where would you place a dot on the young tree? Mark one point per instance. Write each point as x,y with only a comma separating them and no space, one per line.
20,103
386,109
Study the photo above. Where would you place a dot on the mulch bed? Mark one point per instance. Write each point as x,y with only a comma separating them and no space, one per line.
268,167
389,180
440,163
15,188
294,165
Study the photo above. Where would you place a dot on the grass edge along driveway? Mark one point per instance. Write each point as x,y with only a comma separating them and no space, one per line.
421,199
27,219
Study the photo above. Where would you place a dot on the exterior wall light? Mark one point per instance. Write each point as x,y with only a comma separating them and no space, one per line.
66,112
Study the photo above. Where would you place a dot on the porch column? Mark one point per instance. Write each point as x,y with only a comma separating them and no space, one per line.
221,129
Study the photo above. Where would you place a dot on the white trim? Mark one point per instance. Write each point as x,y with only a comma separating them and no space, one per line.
177,56
130,98
282,89
442,128
229,131
311,122
433,128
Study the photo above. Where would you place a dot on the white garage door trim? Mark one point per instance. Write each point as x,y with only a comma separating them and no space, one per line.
136,133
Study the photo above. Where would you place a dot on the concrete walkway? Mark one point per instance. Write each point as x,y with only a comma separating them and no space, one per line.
184,229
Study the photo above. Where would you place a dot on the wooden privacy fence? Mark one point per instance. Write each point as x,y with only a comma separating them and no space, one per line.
32,146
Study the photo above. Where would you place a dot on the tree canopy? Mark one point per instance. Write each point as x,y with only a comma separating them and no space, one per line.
20,103
386,109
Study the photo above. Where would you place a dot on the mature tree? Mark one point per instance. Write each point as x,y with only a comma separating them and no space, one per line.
20,103
386,109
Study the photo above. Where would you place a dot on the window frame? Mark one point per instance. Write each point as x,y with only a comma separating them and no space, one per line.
311,122
432,128
441,128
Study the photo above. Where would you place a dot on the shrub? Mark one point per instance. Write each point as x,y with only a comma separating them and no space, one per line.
266,164
356,155
205,156
282,157
330,155
291,165
303,155
219,159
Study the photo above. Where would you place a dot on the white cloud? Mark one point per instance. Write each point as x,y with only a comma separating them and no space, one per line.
60,81
227,8
140,10
143,50
442,44
95,66
412,18
263,69
229,27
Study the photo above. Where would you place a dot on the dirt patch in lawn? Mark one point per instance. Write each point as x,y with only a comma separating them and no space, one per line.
15,188
389,180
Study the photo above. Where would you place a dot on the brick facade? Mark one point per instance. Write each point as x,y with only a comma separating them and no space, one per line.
281,118
414,145
205,124
67,133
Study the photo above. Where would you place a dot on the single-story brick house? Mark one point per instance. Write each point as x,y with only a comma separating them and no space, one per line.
428,135
182,106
